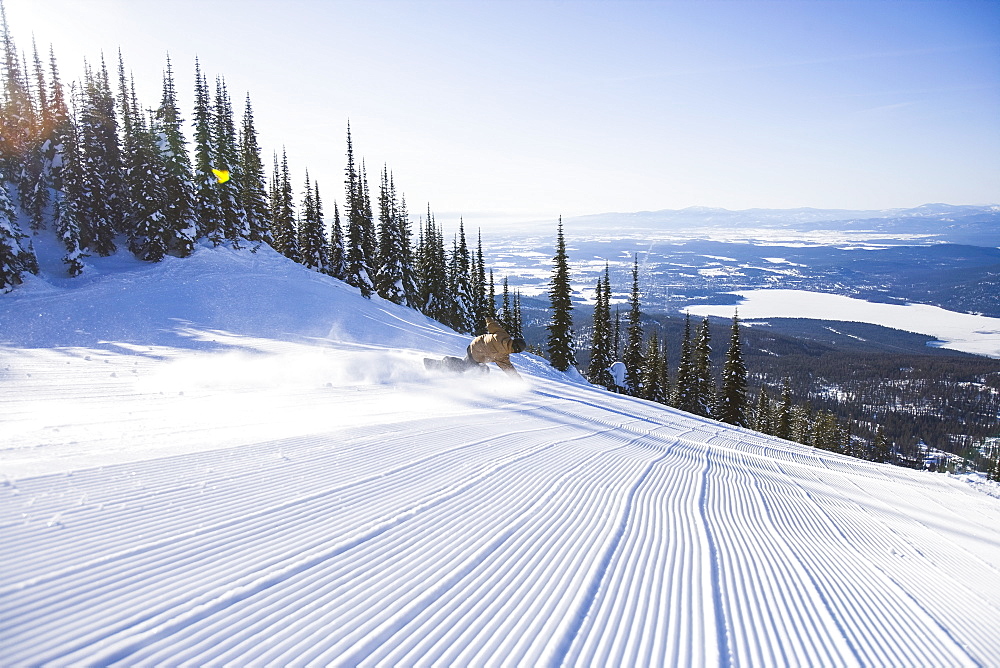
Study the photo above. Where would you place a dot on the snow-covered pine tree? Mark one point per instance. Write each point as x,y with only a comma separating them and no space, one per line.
825,433
66,173
391,282
337,261
601,354
206,196
459,280
652,370
282,211
405,236
880,451
633,355
368,217
491,298
179,225
517,323
359,259
34,179
783,419
226,158
479,289
321,226
312,236
704,383
251,183
20,140
762,421
16,257
506,316
560,338
143,178
732,404
101,162
684,392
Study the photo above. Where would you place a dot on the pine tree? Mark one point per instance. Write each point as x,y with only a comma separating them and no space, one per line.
282,213
66,174
652,370
825,433
732,404
359,256
432,268
226,158
783,420
881,452
251,183
481,307
34,178
390,284
762,413
704,383
206,204
506,317
16,258
338,261
178,189
685,393
144,176
410,291
517,324
633,356
602,355
460,278
311,235
21,160
491,301
101,162
560,339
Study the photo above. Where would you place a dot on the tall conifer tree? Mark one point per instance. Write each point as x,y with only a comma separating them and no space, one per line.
359,257
602,355
685,397
178,189
732,405
101,162
704,383
391,280
282,214
66,174
226,158
338,261
251,182
560,338
633,356
206,196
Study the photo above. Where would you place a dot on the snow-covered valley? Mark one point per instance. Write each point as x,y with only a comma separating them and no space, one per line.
232,460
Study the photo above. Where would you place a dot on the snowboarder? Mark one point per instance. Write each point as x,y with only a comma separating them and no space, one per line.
495,346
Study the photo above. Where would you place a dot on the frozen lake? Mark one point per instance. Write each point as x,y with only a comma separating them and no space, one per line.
966,332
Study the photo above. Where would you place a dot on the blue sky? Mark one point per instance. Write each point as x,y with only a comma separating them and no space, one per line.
528,110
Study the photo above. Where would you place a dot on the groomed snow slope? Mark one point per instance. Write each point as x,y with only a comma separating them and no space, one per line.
229,460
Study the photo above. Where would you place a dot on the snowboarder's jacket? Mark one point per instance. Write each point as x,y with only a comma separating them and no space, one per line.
495,346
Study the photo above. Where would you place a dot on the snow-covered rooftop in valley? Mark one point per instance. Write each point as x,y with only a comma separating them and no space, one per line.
967,332
232,460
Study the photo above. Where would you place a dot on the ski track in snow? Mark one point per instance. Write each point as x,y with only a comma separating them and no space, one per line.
556,526
314,502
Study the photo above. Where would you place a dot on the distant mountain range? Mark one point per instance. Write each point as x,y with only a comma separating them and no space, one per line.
975,225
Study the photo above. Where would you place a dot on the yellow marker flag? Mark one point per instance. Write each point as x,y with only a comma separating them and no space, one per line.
221,174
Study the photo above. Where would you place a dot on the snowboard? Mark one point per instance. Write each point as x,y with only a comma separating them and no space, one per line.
455,365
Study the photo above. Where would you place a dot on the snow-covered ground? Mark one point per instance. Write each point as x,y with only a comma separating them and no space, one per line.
230,460
970,333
